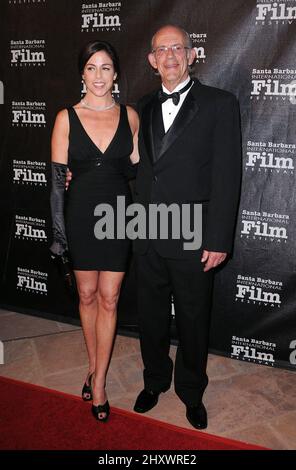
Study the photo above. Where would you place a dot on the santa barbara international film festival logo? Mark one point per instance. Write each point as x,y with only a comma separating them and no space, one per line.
266,226
274,13
258,291
28,113
30,173
277,84
26,2
27,53
253,350
293,353
101,16
198,44
30,228
270,157
32,281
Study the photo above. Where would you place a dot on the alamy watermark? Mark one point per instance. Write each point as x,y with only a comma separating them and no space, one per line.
161,221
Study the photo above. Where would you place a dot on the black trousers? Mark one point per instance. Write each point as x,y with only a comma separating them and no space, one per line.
158,278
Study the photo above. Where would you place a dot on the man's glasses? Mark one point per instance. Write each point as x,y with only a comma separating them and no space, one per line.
177,49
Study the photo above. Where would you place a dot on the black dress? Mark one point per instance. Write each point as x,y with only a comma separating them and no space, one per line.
97,178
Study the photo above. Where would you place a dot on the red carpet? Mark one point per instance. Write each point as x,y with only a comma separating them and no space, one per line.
34,417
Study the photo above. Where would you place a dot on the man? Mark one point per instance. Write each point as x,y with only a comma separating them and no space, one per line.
189,144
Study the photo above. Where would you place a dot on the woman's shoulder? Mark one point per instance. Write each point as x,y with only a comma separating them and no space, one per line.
131,110
62,114
132,114
62,119
133,119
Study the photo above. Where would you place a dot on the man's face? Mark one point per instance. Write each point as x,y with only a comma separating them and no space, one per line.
172,65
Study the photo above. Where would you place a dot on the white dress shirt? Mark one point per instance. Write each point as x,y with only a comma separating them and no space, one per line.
169,109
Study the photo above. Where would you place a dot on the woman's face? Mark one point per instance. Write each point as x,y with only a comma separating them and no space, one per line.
99,74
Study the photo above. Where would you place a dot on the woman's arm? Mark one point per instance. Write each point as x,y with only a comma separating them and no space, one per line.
59,157
60,138
133,119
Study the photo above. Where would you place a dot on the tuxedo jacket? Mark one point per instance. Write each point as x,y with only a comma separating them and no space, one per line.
198,160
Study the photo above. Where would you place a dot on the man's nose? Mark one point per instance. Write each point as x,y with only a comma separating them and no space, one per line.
170,52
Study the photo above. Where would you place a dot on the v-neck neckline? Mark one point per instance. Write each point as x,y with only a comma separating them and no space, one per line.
90,139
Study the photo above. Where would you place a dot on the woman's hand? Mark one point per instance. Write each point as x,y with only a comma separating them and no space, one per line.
68,178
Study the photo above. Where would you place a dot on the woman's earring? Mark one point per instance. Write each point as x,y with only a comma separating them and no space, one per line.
83,86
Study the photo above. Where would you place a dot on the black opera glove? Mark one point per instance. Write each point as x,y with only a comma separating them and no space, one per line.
65,269
59,244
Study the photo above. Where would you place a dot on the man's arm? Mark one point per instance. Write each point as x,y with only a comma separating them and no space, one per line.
225,180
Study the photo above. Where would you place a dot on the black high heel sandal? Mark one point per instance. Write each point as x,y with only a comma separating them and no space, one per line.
87,390
97,409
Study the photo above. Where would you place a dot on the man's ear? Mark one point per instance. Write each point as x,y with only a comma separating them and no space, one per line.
192,56
152,60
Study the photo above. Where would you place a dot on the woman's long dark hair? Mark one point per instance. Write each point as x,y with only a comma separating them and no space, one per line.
95,46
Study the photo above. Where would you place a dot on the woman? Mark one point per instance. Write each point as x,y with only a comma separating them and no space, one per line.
97,140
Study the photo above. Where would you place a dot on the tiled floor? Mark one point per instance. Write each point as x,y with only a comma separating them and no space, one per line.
247,402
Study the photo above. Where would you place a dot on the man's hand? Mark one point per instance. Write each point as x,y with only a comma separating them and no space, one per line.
68,178
212,259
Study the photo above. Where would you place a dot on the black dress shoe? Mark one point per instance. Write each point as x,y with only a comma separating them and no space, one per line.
197,416
146,401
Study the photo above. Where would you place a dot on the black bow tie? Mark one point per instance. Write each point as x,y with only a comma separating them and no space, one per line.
162,96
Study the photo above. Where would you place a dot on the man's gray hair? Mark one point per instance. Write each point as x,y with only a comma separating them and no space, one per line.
186,35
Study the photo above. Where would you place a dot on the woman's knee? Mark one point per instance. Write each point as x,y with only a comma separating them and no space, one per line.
108,300
87,295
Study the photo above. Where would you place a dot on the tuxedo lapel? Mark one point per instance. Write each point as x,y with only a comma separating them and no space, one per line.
185,115
147,126
157,129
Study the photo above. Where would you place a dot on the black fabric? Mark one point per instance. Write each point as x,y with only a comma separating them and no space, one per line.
158,130
158,278
175,96
97,178
198,161
58,177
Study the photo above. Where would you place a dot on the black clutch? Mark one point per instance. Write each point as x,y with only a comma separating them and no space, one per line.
64,267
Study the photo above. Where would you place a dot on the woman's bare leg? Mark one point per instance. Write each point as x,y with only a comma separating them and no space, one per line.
109,284
87,284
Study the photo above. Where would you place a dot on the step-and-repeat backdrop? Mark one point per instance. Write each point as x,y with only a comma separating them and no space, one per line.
244,46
